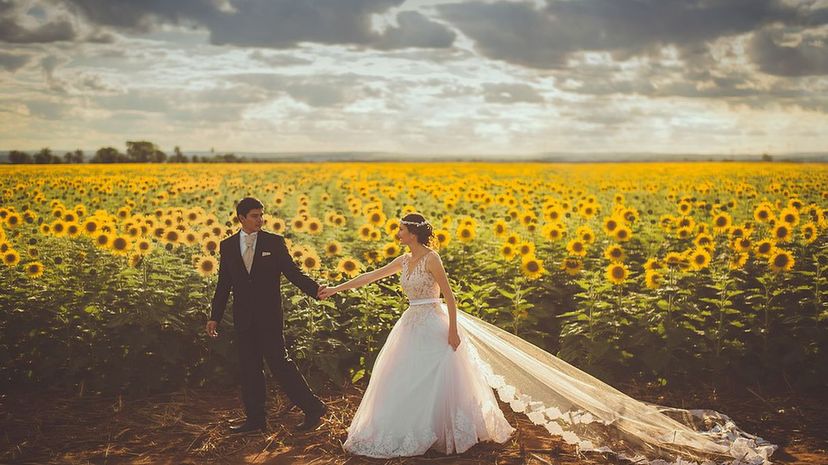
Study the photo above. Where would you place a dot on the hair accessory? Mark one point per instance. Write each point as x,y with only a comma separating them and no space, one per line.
413,223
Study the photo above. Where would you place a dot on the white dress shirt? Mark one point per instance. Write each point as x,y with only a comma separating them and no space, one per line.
242,236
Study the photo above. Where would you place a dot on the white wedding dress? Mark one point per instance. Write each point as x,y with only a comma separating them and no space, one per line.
422,394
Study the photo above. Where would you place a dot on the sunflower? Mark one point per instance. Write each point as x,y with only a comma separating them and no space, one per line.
34,270
143,246
310,262
507,251
532,267
610,224
465,233
553,231
763,212
614,253
11,257
333,248
349,266
501,228
742,244
653,264
721,222
365,232
206,265
526,248
171,236
190,238
314,226
377,218
685,207
684,233
782,232
277,225
391,249
704,240
781,260
571,265
443,237
103,239
617,273
577,247
392,226
298,223
13,220
586,234
737,261
653,279
765,247
58,228
622,233
90,226
790,216
699,258
120,245
809,232
675,260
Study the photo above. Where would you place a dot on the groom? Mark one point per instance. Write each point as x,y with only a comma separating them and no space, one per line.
251,264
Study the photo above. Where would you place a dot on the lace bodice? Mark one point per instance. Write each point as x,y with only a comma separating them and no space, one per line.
418,283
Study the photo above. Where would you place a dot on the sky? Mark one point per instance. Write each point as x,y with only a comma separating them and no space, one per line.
419,77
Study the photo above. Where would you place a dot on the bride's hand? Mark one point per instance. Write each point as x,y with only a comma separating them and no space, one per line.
328,291
454,340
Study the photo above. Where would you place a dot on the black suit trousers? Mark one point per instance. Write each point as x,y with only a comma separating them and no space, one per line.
265,342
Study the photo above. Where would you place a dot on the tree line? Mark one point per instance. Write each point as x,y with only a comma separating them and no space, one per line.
136,152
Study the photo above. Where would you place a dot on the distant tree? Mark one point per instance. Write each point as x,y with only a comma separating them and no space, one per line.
108,155
45,156
196,159
16,156
77,156
178,157
766,157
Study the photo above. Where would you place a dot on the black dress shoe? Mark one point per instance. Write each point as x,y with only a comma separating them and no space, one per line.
247,426
312,419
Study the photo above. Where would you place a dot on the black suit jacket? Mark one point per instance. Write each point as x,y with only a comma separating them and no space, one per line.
256,295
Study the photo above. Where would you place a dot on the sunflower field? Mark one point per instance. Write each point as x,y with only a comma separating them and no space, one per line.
667,272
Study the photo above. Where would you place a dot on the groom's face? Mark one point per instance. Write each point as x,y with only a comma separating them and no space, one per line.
252,222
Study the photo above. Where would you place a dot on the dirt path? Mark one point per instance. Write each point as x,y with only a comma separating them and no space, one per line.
190,427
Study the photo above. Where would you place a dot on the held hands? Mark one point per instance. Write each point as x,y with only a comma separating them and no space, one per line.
325,292
453,339
211,328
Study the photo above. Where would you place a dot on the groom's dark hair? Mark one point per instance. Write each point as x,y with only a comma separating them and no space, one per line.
246,204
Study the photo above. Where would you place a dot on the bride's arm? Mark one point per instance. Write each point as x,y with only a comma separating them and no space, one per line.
371,276
435,266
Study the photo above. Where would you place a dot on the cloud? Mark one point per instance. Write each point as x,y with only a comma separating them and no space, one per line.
12,62
511,93
808,57
11,31
274,23
546,37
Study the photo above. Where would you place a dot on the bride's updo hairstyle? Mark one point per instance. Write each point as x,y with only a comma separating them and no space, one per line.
417,225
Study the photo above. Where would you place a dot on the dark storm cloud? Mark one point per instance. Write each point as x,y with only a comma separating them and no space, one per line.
11,31
275,23
809,57
12,62
546,38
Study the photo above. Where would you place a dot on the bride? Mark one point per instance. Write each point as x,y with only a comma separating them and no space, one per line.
433,384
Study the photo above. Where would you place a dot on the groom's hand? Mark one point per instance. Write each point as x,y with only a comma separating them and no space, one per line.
211,328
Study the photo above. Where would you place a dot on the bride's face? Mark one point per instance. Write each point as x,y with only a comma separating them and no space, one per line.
405,236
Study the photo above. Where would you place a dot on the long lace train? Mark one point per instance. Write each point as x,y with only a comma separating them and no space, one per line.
597,417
